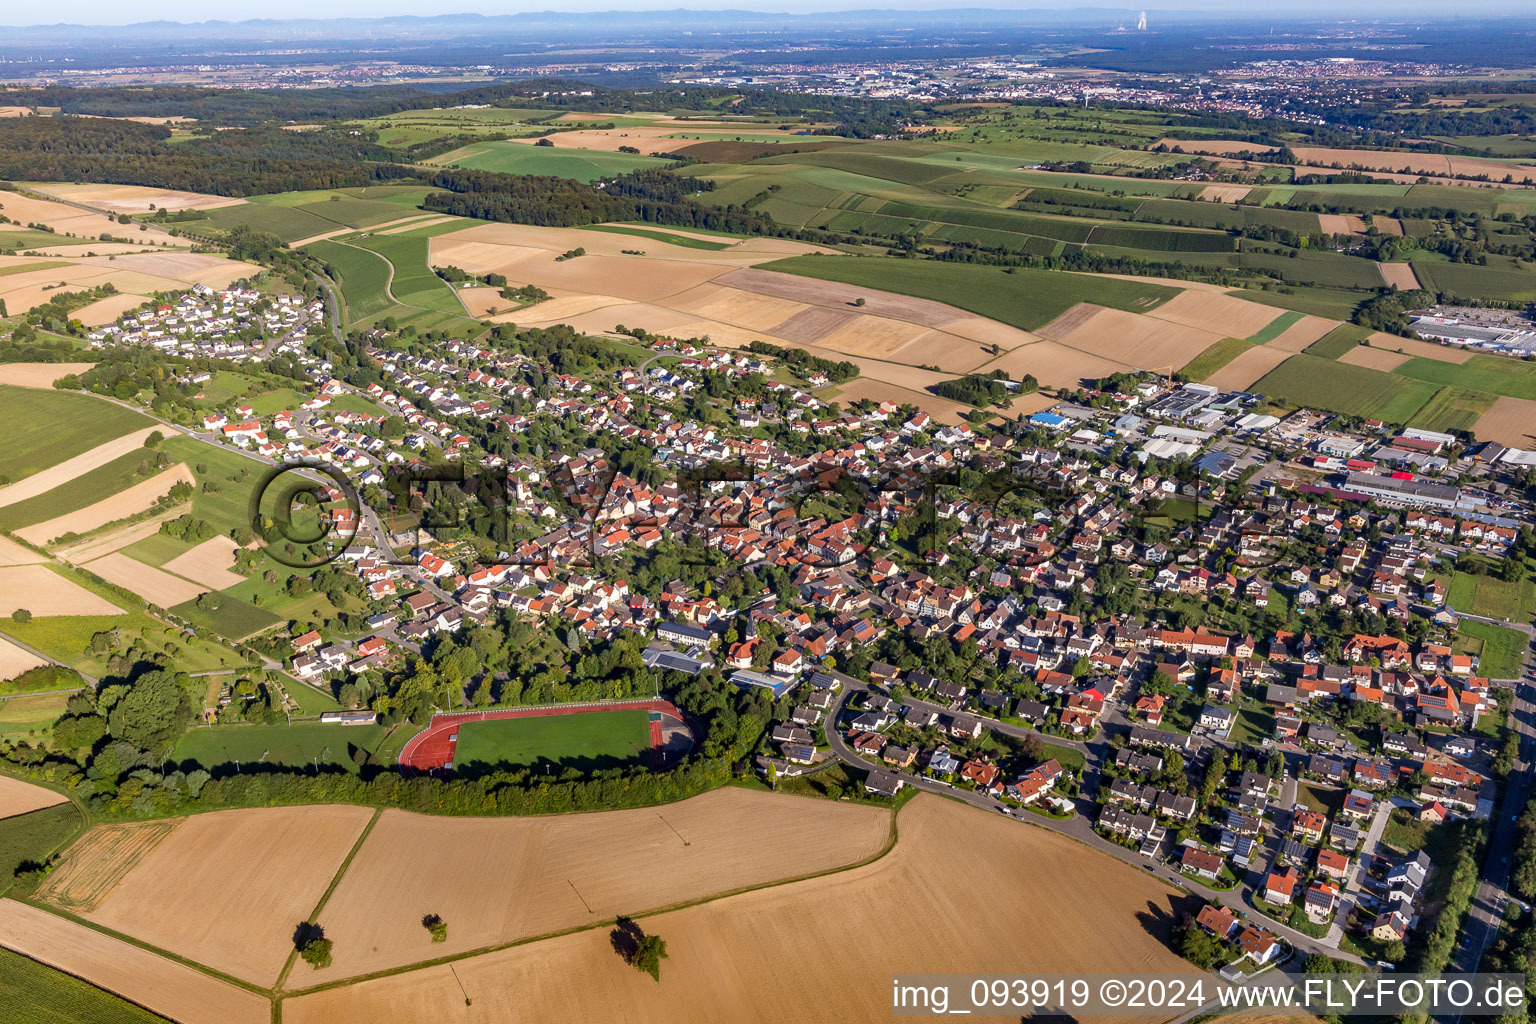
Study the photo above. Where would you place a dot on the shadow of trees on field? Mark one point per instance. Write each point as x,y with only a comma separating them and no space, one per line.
305,933
625,938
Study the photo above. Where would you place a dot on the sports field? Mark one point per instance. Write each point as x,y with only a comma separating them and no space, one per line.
588,741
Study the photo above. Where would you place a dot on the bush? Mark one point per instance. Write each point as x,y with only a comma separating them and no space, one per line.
21,615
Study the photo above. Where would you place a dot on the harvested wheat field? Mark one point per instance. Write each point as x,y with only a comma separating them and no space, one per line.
877,336
151,584
226,889
1302,333
1387,225
140,273
13,662
520,249
209,564
164,986
1424,349
1341,224
1511,421
134,198
835,295
1248,367
38,375
1399,274
66,220
1002,910
79,250
91,868
42,591
1069,321
484,301
396,227
107,310
1215,147
121,505
1375,358
186,267
732,305
1057,364
941,349
115,539
1137,339
1223,315
941,409
1225,193
1415,163
12,553
17,797
501,879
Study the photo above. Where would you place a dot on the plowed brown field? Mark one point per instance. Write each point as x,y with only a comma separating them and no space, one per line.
227,889
17,797
499,879
816,951
168,988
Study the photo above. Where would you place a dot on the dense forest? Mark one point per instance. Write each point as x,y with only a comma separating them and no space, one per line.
235,163
856,117
657,197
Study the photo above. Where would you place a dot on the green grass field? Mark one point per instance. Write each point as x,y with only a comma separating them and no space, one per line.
296,745
35,836
43,428
598,739
522,158
1356,390
1026,298
414,283
1214,358
1332,303
1452,408
1496,599
21,239
86,489
363,276
233,618
1339,341
35,994
30,718
1494,375
1274,328
1484,282
1501,651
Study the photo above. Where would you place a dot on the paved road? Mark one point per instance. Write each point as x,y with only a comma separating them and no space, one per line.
1488,904
1077,827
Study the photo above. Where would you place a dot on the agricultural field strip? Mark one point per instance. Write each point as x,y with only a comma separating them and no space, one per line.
800,921
158,983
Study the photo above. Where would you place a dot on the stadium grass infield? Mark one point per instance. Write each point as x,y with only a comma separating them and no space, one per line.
596,739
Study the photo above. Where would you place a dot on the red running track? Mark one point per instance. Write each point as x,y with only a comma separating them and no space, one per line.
432,748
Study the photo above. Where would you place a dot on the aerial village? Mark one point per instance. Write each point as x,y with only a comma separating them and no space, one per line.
1211,640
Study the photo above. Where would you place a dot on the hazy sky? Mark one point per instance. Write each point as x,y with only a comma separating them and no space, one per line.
113,12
